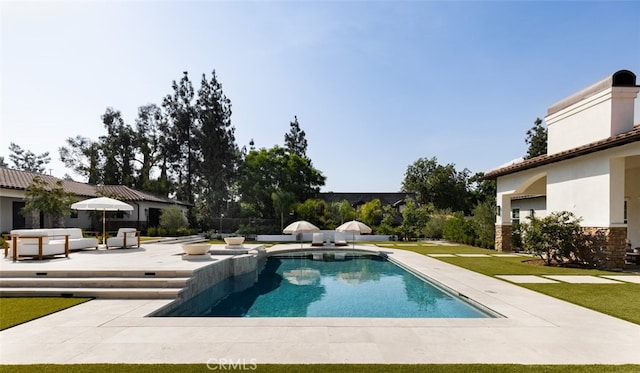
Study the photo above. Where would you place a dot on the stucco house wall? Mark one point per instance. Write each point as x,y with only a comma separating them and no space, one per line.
592,167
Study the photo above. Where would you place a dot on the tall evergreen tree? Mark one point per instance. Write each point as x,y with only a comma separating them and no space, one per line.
218,152
295,140
536,139
83,156
180,138
149,142
118,151
26,160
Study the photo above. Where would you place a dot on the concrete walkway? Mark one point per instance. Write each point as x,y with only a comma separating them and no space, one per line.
535,329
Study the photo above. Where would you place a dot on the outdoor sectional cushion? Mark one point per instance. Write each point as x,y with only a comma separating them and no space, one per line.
52,236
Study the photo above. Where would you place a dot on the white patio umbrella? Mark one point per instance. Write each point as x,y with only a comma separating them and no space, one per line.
300,226
103,204
354,227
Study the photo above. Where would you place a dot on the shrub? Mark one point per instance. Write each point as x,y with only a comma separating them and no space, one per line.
484,220
172,219
434,227
152,231
161,232
552,238
458,229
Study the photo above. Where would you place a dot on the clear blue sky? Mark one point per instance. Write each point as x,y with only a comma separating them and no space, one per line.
375,85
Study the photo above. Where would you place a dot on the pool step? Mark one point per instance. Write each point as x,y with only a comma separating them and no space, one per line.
94,273
106,284
94,282
102,293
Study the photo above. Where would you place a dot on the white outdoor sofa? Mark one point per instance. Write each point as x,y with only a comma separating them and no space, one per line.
46,242
125,238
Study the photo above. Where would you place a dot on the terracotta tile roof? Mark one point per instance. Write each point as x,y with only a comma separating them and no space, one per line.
20,180
611,142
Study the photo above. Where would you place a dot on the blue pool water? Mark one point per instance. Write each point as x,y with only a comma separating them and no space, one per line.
360,287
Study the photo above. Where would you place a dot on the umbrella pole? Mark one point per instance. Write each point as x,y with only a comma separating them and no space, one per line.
104,229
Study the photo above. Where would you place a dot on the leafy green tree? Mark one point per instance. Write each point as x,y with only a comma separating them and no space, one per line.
481,190
370,213
52,200
295,140
217,150
265,171
536,139
83,156
172,219
345,212
26,160
282,202
315,211
388,222
442,186
413,220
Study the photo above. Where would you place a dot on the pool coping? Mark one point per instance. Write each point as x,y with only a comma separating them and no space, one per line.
537,329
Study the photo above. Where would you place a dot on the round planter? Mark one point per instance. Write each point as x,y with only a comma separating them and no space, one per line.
234,241
196,248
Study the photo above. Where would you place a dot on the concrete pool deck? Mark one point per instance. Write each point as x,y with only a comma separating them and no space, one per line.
535,329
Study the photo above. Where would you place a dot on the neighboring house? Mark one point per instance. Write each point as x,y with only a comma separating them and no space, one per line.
146,207
592,168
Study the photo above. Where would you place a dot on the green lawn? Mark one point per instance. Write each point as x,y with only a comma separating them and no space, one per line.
618,300
14,311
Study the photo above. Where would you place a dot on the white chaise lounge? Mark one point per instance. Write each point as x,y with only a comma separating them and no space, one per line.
318,239
125,238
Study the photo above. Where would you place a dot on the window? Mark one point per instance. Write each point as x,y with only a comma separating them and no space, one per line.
515,216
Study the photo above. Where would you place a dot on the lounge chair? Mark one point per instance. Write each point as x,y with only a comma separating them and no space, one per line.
339,239
126,238
318,239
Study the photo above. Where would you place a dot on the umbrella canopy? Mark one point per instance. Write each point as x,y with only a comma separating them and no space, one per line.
103,204
300,226
354,227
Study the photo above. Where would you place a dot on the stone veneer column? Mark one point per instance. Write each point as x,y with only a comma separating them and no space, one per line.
616,245
503,238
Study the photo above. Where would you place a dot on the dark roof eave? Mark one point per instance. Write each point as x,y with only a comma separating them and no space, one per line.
612,142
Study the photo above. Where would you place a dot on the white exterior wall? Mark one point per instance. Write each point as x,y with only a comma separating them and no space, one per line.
581,185
581,123
605,114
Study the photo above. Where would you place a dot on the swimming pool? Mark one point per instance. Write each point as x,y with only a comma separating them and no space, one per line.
358,287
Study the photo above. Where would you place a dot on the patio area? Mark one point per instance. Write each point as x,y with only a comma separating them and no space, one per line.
535,329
